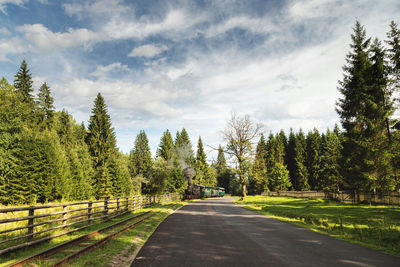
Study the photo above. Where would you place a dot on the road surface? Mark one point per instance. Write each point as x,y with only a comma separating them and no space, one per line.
215,232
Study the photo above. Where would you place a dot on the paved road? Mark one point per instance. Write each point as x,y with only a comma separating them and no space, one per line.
218,233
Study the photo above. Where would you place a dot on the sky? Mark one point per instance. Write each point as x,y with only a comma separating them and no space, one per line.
172,64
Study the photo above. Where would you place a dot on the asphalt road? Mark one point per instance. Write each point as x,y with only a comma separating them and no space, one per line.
215,232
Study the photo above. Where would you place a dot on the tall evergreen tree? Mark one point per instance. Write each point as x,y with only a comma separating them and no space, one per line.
140,161
313,160
45,103
290,157
364,111
393,54
331,178
23,83
201,163
166,148
300,172
259,181
102,145
351,110
183,148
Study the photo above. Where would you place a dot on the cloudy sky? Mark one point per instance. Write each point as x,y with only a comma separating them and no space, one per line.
172,64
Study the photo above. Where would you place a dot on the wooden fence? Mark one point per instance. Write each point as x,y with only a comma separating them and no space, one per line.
17,229
392,198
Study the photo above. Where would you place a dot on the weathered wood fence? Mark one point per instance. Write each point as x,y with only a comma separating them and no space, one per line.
18,230
392,198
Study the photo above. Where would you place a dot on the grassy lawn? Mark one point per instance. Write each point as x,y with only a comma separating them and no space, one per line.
117,252
377,227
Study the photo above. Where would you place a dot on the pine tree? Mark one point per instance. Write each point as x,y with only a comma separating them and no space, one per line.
352,108
201,163
379,112
102,145
313,160
166,148
223,173
23,83
279,178
140,161
331,178
365,110
259,176
45,103
290,155
300,172
183,147
393,55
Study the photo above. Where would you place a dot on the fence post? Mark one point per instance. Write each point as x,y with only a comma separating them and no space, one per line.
64,222
126,203
118,205
106,206
89,211
30,222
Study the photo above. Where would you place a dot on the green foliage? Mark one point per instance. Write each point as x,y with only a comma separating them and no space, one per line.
183,147
331,178
279,177
45,103
102,146
313,160
140,161
364,110
23,84
258,179
176,181
300,175
160,173
166,148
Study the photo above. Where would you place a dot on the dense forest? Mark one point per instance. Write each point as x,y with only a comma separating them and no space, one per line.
46,156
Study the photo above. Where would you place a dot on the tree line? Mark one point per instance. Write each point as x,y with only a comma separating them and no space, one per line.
363,156
46,156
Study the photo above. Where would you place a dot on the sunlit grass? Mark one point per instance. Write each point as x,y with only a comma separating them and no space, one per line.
377,227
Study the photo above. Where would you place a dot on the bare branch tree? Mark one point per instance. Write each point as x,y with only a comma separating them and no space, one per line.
240,136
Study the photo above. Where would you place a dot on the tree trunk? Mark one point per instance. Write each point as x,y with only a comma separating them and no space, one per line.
244,189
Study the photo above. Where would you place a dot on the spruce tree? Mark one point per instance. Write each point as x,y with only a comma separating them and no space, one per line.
102,145
365,111
393,55
331,178
201,162
140,161
313,159
300,170
290,155
352,111
23,83
223,173
166,148
183,147
259,171
45,103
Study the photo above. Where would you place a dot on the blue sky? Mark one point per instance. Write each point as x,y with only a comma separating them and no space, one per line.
172,64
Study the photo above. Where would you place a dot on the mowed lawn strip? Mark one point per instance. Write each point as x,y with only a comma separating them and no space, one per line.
377,227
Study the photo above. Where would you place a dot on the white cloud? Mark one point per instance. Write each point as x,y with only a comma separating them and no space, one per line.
148,50
44,39
4,3
104,71
4,31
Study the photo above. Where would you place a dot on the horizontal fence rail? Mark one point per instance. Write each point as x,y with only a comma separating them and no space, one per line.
24,226
392,198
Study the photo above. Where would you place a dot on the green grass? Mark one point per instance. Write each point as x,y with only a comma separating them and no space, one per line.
377,227
125,242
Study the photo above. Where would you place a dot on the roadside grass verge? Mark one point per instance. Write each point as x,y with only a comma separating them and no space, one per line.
102,255
377,227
